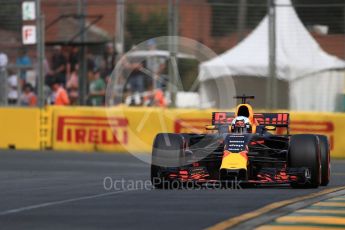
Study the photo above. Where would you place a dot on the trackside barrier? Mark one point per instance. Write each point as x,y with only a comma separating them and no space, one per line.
20,128
46,130
122,129
330,124
119,129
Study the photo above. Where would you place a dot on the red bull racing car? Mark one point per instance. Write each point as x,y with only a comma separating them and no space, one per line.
253,148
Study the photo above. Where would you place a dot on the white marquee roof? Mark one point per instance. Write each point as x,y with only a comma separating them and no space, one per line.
298,54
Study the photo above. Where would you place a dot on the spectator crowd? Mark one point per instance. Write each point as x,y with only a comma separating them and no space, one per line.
141,81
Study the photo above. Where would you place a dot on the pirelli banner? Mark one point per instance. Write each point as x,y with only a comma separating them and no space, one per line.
123,129
119,129
88,129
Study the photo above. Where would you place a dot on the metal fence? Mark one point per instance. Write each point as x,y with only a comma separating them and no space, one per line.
91,25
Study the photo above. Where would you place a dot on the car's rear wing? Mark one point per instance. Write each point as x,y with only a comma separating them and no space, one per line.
222,118
264,119
273,119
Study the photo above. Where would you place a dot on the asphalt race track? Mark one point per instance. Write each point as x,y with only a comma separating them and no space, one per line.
64,190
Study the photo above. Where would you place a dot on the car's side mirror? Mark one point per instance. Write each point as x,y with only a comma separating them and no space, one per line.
211,127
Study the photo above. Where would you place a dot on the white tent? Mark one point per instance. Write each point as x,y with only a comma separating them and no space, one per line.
313,75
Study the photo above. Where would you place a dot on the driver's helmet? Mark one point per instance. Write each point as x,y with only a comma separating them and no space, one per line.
241,124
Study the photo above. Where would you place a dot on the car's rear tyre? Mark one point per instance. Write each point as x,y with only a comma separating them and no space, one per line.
167,154
304,151
325,160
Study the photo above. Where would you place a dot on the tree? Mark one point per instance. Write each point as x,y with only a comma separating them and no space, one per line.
140,29
224,14
10,14
330,13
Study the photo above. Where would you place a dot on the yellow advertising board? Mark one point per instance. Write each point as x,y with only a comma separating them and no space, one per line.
122,129
330,124
99,129
20,128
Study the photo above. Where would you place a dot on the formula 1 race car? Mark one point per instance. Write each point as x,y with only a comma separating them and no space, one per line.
254,148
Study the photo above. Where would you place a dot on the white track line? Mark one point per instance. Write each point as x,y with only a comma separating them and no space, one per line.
47,204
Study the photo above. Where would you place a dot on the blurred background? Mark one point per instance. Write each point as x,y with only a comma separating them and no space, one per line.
289,54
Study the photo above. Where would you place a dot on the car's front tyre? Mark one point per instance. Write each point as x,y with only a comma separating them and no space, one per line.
304,151
167,155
